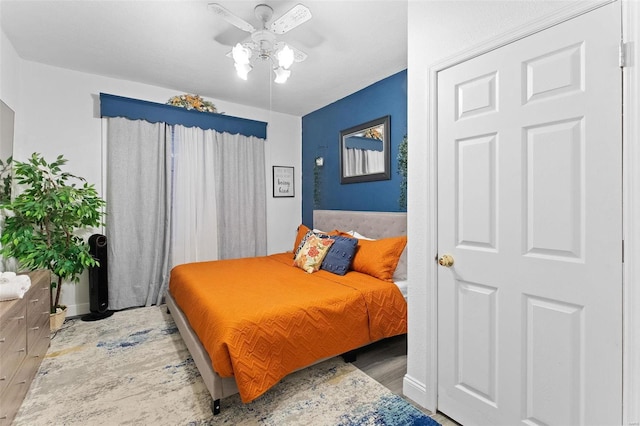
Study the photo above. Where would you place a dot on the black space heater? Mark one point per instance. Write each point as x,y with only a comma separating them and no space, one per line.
98,280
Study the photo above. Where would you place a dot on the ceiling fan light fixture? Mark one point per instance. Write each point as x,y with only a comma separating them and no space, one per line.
285,57
282,75
243,70
241,55
263,44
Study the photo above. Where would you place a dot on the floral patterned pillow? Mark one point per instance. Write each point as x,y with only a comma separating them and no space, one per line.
313,252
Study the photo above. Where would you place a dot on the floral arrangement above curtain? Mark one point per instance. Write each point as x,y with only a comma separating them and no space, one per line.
192,102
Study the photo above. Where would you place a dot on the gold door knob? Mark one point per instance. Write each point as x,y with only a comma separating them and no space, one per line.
446,261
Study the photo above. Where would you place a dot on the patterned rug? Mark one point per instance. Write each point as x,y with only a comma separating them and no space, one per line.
133,368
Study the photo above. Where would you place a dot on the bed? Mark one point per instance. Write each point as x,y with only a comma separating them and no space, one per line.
249,322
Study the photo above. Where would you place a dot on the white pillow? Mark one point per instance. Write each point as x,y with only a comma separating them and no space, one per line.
355,234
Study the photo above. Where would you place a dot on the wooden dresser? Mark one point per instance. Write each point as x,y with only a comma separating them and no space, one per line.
24,340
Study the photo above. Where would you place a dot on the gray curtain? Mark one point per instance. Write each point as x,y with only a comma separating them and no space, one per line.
138,211
241,190
140,196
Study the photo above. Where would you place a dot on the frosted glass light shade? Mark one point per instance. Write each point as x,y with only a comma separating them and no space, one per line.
243,70
285,57
281,75
241,55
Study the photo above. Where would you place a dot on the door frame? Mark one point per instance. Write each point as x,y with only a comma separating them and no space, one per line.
428,392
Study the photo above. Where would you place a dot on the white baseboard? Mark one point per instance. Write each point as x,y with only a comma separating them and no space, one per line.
77,310
415,391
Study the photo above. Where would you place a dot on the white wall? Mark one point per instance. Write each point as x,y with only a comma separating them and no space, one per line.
438,30
57,112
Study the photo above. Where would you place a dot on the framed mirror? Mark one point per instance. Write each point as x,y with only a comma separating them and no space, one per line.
365,152
7,117
6,131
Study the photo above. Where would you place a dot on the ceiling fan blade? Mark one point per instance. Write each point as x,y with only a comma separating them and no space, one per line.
225,14
298,55
297,15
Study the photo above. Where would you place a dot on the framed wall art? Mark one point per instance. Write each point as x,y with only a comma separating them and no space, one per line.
283,182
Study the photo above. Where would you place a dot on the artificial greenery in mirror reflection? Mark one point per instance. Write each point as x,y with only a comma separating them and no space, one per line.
403,156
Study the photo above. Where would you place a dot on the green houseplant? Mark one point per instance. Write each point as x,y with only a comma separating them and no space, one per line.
42,221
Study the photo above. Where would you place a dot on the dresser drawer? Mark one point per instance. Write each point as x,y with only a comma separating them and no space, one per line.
37,299
39,345
37,315
9,310
13,356
37,333
12,398
29,368
11,328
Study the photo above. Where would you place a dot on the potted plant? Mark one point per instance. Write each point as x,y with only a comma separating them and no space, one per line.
40,229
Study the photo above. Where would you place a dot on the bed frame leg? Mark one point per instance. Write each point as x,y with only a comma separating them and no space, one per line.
349,356
215,407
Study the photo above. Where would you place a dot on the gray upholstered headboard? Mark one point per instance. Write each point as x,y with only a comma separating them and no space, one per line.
370,224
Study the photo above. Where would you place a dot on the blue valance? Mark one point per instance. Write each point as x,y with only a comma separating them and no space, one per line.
135,109
360,142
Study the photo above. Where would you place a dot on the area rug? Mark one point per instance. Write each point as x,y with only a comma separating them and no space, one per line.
133,368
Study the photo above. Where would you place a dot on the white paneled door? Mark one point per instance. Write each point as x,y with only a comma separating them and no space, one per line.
530,211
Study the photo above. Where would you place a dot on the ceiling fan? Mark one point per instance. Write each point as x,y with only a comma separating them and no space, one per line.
262,43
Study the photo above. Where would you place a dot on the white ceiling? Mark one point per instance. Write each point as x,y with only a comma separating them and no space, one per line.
182,45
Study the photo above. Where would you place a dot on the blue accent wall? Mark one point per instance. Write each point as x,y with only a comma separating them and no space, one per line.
320,138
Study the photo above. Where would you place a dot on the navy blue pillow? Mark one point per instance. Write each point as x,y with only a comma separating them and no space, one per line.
340,254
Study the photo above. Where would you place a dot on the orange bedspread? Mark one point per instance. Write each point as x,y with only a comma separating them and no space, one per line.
261,318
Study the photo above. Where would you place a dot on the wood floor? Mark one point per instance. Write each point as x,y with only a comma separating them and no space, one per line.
386,362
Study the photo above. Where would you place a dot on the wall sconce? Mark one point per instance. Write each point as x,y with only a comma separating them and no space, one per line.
317,182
